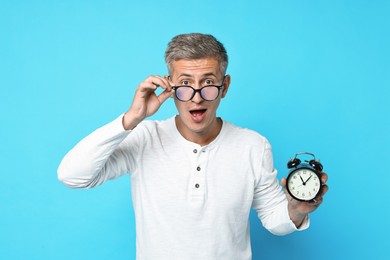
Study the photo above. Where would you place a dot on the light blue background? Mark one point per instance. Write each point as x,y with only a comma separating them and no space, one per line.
309,75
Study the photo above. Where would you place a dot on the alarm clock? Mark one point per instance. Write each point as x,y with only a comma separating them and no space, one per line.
304,178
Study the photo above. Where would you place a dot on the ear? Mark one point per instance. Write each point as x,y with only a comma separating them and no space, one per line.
168,77
226,85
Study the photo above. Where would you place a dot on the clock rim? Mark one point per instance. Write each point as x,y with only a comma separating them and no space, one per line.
299,167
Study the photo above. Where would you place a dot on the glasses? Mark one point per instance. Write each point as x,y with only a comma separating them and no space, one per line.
208,93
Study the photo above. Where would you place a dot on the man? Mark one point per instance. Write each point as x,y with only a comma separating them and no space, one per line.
194,177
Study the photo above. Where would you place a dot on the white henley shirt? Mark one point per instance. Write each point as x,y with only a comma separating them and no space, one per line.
190,202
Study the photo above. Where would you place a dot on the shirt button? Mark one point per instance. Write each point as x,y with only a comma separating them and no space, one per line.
197,185
198,168
195,151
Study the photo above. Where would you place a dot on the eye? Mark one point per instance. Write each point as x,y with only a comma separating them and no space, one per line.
185,82
209,82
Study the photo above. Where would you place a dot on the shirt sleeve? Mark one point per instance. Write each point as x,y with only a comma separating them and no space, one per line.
103,155
269,200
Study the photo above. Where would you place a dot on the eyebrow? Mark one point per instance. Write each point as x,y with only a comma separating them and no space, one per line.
185,75
204,75
209,74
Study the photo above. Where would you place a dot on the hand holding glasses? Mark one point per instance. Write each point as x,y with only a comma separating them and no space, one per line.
146,102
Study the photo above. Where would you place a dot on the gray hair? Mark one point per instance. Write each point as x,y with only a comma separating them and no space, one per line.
196,46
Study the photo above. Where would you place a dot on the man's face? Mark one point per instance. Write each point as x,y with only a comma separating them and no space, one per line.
198,116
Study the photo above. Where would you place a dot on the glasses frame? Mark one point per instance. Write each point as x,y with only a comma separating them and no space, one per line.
199,91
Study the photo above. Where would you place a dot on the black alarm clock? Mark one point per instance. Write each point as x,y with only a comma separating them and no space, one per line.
304,178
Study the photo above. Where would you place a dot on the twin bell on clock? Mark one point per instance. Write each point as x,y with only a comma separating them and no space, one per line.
304,178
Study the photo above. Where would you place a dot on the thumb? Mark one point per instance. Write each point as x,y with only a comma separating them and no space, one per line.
164,95
283,182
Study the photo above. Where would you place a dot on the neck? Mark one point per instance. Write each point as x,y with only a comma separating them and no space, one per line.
202,137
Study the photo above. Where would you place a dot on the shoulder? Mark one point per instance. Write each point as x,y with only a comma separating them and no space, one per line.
245,136
156,125
249,144
149,130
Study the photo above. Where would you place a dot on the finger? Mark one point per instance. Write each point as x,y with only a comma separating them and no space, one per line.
146,87
164,96
151,83
319,199
160,82
169,79
165,84
283,182
324,177
315,203
154,80
324,190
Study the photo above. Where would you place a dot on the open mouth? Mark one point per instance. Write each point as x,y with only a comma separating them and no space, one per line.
198,114
197,111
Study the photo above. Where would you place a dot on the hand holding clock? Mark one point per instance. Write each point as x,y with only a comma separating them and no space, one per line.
303,196
298,210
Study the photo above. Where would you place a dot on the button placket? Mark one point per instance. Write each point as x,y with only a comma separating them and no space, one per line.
199,176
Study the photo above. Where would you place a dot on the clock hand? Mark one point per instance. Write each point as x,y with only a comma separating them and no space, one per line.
303,182
307,179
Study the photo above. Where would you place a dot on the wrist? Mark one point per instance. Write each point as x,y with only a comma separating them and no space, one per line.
129,121
296,217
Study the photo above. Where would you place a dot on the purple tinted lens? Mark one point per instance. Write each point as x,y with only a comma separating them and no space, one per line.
184,93
210,93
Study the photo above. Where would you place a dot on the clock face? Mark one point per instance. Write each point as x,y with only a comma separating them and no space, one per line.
303,184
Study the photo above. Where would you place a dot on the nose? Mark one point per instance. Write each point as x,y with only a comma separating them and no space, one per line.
197,98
